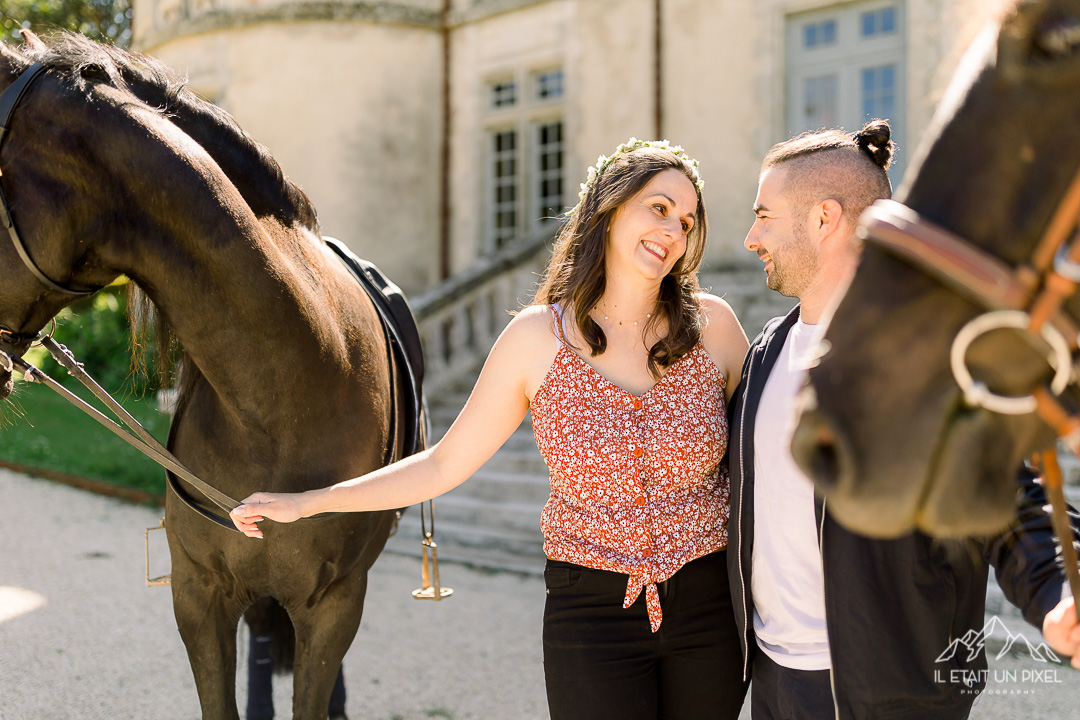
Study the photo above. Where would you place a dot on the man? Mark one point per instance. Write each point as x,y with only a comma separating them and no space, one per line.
836,625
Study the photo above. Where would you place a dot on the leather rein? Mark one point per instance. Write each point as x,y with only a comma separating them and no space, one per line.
1028,298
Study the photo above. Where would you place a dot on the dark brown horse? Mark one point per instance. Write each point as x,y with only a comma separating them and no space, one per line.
111,167
889,436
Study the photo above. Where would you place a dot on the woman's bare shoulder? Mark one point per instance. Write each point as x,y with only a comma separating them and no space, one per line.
716,313
722,335
530,342
533,324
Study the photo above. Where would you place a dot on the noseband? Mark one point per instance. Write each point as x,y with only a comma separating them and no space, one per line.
9,99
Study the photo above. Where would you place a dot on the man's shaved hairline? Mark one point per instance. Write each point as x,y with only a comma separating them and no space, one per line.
841,173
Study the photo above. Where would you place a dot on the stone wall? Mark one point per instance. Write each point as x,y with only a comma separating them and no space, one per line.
347,95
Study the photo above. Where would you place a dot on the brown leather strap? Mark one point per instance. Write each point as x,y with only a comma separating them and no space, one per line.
1059,517
982,278
1062,224
10,98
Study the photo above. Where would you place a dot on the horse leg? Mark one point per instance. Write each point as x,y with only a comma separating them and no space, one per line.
207,623
323,635
260,699
270,653
270,629
337,697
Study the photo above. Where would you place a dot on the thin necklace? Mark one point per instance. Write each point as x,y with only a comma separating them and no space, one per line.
644,319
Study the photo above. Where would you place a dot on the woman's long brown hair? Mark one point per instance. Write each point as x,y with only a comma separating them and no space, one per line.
575,276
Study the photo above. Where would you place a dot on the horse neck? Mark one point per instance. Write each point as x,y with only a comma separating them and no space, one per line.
253,171
997,138
249,314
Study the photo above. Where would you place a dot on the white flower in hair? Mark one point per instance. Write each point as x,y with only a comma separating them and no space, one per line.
595,171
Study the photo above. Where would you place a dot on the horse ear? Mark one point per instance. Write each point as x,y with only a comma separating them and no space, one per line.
11,57
31,42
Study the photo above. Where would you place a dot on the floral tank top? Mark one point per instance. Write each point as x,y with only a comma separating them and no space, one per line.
636,481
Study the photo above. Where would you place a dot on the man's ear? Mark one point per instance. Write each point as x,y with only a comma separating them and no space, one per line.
826,217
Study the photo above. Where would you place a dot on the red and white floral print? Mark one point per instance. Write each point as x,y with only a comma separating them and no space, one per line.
636,482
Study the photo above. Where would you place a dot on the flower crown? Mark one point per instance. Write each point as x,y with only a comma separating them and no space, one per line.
602,162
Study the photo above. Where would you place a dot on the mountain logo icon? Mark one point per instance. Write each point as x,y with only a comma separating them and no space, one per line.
974,642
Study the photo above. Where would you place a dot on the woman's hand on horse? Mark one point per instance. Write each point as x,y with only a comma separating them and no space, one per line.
279,507
1062,631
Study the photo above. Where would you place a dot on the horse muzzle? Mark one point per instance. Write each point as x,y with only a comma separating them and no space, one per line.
820,449
11,346
864,501
972,485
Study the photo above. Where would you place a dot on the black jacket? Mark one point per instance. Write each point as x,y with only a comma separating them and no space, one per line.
892,607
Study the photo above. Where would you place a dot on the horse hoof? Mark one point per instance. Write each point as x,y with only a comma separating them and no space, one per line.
338,716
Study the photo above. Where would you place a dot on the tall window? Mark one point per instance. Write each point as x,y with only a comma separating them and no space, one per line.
525,154
504,185
846,65
549,168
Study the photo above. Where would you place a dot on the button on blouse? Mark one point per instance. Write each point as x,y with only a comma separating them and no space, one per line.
636,482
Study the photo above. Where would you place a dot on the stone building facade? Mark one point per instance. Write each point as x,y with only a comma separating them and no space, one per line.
429,133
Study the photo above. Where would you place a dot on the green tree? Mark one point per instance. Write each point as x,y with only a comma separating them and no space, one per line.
103,20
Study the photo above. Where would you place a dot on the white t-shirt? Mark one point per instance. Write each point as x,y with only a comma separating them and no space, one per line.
787,582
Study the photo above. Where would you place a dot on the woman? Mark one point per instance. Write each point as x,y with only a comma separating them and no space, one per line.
626,366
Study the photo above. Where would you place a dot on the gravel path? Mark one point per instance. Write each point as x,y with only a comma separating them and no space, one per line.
81,637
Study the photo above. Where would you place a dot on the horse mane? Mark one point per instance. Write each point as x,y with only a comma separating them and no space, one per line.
249,166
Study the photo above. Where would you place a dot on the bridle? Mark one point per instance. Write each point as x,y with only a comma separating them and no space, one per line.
138,437
9,99
134,434
1028,298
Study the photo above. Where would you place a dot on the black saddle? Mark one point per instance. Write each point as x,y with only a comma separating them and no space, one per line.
402,335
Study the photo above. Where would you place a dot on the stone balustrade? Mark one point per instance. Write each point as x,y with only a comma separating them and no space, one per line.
461,317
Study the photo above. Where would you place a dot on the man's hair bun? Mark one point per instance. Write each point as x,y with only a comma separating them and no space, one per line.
874,140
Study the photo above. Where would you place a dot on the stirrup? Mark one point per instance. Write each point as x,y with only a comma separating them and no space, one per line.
429,569
163,580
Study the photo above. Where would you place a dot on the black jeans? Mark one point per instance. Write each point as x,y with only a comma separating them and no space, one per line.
780,693
602,662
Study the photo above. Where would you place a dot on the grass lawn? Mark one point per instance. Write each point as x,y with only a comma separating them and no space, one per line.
41,430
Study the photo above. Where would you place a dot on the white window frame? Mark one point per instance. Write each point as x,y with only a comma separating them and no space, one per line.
544,211
493,205
847,57
534,84
525,117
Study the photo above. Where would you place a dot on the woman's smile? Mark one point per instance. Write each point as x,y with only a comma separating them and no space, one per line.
655,248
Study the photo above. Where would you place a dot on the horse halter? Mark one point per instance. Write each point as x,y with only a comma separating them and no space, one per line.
9,99
1028,298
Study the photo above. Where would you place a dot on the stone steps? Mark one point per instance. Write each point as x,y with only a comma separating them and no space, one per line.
491,521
